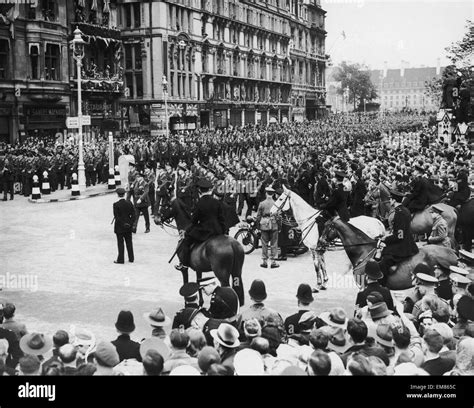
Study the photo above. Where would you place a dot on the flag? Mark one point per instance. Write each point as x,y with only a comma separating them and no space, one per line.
343,35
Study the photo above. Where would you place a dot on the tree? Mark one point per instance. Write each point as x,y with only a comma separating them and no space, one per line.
355,79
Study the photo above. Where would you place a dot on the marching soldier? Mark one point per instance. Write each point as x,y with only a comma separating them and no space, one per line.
141,201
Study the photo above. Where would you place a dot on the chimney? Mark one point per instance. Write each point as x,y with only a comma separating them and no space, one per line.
438,66
385,69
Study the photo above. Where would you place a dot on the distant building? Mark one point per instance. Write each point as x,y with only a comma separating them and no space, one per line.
405,88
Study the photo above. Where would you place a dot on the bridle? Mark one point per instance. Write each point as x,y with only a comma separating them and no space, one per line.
330,228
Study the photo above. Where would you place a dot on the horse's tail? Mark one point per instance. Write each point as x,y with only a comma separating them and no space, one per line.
236,271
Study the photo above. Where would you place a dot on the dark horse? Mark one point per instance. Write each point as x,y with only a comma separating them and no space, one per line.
360,248
221,254
466,224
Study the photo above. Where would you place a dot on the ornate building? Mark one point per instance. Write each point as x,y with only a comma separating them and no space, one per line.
34,76
225,62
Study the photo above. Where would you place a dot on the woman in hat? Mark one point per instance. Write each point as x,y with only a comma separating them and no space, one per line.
439,231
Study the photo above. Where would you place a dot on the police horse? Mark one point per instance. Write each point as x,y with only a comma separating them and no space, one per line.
306,217
221,254
360,248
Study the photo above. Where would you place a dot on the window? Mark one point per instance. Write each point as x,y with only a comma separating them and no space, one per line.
51,62
49,10
4,58
137,14
132,15
133,68
34,61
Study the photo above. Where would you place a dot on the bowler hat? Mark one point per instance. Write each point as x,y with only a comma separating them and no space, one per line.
305,293
226,335
125,322
258,291
36,344
157,318
372,270
189,289
379,310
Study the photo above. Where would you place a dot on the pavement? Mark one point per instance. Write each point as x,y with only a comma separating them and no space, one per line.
56,266
66,194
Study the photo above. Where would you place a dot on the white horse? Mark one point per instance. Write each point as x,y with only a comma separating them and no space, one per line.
306,216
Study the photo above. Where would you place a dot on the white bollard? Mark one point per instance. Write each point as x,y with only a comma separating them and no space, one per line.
45,187
75,186
111,179
36,191
118,182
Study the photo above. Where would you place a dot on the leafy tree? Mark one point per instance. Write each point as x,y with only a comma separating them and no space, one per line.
355,78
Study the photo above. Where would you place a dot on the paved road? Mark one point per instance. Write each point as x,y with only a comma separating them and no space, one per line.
64,254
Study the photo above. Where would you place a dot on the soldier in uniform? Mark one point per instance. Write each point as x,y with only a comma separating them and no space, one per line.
7,180
400,245
141,201
163,182
252,193
60,170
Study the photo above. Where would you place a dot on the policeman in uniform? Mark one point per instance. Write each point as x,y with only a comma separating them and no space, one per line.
190,293
400,245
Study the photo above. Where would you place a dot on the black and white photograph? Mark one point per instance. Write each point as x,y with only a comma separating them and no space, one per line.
239,188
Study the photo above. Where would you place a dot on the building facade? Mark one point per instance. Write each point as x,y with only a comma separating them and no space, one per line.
34,75
405,88
216,63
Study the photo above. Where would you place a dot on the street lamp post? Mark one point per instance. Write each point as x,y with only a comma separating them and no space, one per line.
77,46
164,82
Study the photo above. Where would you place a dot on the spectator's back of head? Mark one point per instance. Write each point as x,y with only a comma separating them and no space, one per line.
261,345
3,349
9,310
153,363
219,370
433,340
320,363
30,365
319,339
401,336
207,357
378,366
67,353
86,370
60,338
357,330
358,364
197,340
179,339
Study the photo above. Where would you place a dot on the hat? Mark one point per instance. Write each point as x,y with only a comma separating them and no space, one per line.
226,335
206,357
293,370
338,341
465,307
335,317
340,174
467,256
304,293
423,269
184,370
372,270
379,310
224,303
258,291
460,280
383,335
204,184
210,280
157,344
252,328
443,329
438,208
458,270
157,318
107,354
307,320
270,190
426,280
120,191
189,289
36,344
125,322
248,362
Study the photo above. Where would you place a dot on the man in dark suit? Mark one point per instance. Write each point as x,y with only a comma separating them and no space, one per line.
337,203
374,274
207,221
124,214
305,298
423,192
400,245
126,348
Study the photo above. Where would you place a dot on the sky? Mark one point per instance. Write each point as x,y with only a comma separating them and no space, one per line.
416,31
